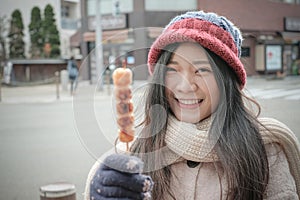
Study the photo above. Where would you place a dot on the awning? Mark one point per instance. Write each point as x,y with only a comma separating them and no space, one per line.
291,36
75,39
112,36
154,32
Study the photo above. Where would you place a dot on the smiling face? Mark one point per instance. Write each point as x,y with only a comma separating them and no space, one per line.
191,87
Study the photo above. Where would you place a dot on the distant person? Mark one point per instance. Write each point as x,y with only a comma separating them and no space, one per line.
73,74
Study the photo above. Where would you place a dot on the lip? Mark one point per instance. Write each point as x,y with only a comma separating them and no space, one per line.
189,103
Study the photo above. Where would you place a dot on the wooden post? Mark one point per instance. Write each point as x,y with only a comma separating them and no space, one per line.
108,81
57,84
0,84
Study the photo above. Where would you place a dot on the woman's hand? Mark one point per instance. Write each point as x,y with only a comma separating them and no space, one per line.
119,177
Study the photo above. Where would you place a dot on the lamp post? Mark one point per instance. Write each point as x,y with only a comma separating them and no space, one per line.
98,47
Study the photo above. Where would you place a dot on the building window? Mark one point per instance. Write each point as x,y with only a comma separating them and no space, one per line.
245,52
287,1
65,11
170,5
107,6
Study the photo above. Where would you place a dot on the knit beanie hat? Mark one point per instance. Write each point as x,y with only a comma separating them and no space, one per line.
211,31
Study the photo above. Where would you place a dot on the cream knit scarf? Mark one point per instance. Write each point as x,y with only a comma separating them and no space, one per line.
190,142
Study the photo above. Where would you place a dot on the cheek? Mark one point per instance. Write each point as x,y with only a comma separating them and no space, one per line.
212,92
168,94
215,98
170,85
170,81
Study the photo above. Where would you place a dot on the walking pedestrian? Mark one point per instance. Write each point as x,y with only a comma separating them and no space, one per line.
206,142
73,74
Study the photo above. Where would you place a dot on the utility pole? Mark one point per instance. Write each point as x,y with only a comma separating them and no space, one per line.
98,47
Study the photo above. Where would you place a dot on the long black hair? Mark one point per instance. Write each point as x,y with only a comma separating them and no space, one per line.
235,129
239,144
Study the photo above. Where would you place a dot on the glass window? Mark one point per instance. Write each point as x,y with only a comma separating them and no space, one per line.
107,6
170,5
245,52
65,11
287,1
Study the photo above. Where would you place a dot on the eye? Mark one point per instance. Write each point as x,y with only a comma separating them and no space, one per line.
202,70
170,69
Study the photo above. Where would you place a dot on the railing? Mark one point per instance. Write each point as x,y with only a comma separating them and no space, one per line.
72,24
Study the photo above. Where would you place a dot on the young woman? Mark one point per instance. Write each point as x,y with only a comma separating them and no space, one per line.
199,139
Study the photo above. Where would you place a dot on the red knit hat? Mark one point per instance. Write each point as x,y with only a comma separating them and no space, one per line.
211,31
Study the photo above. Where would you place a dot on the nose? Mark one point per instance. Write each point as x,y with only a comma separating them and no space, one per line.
186,83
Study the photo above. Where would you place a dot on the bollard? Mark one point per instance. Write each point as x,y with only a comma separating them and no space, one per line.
57,84
0,85
64,80
108,81
58,191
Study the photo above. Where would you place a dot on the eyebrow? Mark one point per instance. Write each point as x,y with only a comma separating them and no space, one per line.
195,62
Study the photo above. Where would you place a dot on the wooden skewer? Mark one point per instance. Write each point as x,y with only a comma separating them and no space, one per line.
124,64
122,78
124,67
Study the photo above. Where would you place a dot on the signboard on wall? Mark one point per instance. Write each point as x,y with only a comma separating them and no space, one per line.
292,24
108,22
273,57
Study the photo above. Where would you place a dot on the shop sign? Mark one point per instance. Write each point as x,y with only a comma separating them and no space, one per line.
292,24
108,22
273,57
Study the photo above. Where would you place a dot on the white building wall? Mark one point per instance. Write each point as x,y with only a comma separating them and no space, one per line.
107,6
8,6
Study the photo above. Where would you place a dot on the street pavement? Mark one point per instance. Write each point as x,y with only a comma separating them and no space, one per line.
271,88
258,87
45,139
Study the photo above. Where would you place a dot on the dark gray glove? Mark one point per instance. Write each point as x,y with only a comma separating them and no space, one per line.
119,178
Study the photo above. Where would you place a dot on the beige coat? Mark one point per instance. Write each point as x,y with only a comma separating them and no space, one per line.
203,181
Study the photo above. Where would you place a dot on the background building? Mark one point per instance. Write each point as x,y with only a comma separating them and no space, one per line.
70,23
41,70
67,14
128,35
269,27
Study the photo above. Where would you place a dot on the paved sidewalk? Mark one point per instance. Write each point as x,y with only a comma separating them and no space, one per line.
33,94
269,82
47,93
43,93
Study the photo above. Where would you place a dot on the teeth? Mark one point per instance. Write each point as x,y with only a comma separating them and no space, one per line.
189,101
